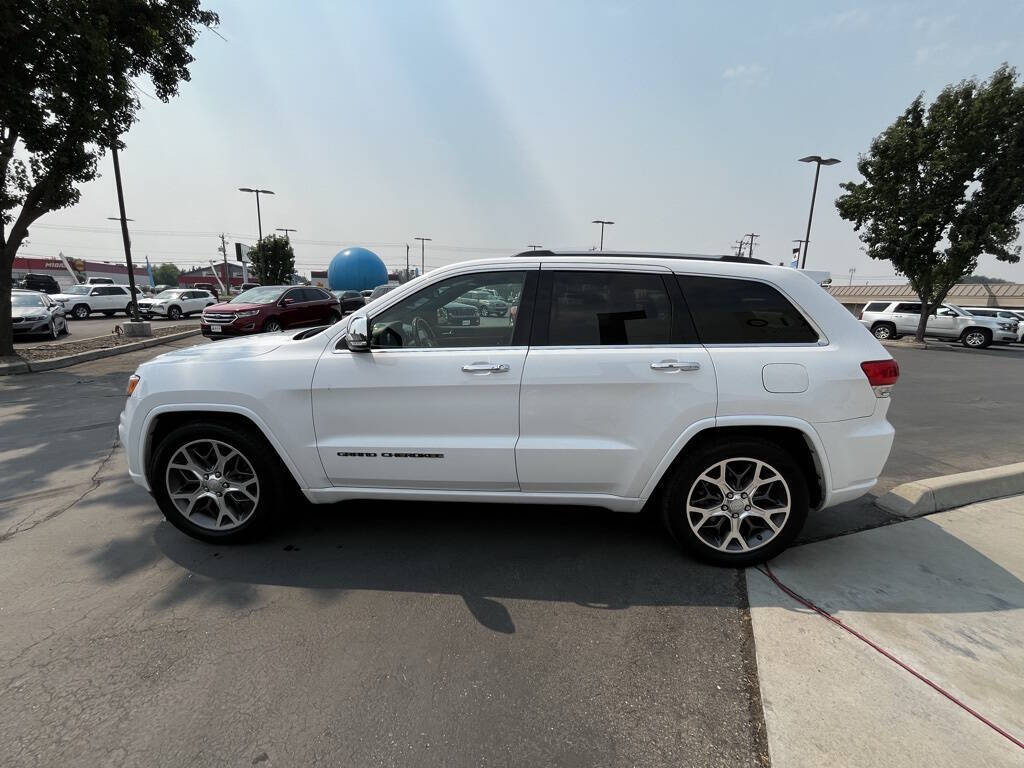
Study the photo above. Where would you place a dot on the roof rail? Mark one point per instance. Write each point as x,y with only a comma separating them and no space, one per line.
648,255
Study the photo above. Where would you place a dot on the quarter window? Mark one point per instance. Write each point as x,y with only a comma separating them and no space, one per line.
453,313
876,306
609,308
732,311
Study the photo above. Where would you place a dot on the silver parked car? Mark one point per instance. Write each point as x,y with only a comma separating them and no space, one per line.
1010,315
35,313
892,319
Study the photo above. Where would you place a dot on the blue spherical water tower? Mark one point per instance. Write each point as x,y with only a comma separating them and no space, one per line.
356,269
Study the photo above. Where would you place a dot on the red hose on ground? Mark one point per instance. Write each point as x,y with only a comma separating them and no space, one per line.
767,571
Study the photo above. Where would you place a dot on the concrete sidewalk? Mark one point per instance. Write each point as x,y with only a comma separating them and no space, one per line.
945,595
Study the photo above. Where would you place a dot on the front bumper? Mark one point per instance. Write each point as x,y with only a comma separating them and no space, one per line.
245,327
162,311
34,327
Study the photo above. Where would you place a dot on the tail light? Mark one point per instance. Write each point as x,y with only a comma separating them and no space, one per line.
882,374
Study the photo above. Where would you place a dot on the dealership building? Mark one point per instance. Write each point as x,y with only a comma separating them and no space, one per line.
69,271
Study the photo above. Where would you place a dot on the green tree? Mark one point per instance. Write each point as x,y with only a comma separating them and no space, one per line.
943,185
166,274
273,260
68,69
982,279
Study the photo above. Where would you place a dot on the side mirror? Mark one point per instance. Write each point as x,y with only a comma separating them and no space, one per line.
286,301
357,336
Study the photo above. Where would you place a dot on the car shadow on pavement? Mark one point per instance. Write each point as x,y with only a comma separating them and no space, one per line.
483,553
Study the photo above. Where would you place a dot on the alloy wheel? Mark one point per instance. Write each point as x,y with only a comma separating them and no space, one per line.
81,312
271,326
212,485
882,332
975,339
738,505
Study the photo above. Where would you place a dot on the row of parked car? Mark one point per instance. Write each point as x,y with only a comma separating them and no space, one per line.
976,327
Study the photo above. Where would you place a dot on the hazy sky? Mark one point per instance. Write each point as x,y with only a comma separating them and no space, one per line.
491,125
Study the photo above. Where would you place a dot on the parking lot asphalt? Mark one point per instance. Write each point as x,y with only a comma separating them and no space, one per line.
96,325
384,634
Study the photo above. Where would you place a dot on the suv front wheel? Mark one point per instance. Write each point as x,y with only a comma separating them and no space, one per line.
976,338
216,483
736,503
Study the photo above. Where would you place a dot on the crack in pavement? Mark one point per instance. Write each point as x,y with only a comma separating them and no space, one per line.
94,482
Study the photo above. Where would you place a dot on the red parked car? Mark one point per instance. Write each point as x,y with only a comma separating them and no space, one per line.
270,308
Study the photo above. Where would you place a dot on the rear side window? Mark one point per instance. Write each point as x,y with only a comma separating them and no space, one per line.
876,306
908,308
609,308
730,311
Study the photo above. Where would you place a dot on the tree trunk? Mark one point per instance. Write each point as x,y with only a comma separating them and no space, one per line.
922,324
6,283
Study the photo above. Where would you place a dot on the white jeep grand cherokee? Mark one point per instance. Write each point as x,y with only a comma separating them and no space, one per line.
733,396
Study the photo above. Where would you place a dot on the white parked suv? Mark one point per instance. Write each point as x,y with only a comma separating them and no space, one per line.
82,300
892,319
1012,316
734,397
176,303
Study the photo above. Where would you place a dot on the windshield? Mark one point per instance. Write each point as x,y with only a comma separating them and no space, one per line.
265,294
26,300
79,290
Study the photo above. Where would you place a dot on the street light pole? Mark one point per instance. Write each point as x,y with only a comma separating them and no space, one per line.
124,231
602,222
423,257
259,218
819,161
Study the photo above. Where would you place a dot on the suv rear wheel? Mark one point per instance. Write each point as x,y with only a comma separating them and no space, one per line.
976,338
737,503
884,331
216,483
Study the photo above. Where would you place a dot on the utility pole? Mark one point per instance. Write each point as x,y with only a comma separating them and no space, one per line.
534,247
286,230
602,222
224,253
406,261
739,246
751,235
124,231
423,257
852,270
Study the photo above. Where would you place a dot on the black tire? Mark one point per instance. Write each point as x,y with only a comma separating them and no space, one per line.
272,325
66,330
247,440
702,459
333,317
128,310
883,331
174,313
54,333
976,338
81,311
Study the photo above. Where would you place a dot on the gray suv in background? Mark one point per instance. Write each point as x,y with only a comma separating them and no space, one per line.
892,319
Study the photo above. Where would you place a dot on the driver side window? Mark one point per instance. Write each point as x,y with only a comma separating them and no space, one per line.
477,310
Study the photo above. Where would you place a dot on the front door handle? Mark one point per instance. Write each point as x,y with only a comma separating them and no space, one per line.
486,368
675,365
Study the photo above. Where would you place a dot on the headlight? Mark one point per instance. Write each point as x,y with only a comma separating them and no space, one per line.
248,313
133,382
1005,326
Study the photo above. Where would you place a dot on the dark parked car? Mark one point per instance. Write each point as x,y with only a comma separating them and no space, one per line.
35,313
247,286
207,287
36,282
270,308
350,300
457,313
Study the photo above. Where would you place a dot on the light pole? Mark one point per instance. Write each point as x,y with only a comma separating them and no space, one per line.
124,231
257,192
852,270
602,222
423,256
819,161
286,230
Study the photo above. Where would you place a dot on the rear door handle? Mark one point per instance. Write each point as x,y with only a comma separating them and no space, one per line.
675,365
486,368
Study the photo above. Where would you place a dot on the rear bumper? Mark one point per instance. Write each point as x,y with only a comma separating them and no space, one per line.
857,450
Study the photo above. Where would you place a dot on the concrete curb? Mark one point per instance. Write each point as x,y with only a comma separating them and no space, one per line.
914,344
936,494
26,366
